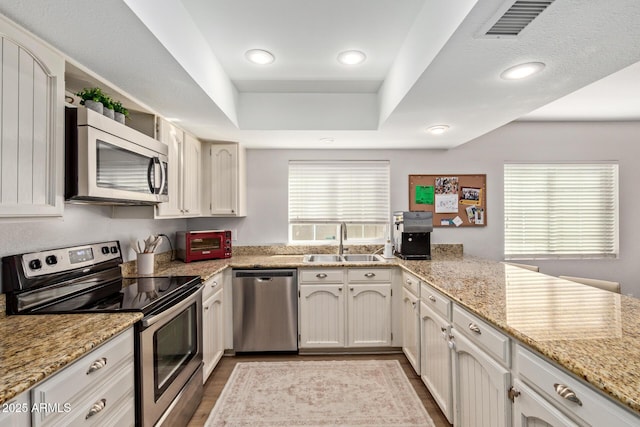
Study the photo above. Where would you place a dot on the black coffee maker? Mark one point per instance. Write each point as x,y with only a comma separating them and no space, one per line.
412,234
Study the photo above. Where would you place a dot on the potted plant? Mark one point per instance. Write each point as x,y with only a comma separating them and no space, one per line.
120,112
92,99
108,106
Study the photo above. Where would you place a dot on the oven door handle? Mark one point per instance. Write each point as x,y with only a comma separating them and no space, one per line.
169,313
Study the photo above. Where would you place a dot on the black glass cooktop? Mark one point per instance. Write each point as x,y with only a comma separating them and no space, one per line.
132,294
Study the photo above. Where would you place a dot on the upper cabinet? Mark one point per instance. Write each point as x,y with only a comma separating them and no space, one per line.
225,180
32,130
184,174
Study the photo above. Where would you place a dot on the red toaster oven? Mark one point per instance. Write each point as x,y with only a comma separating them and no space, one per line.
202,245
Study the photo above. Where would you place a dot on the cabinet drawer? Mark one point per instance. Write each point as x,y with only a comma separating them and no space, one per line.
590,406
434,299
411,282
105,397
211,285
481,333
369,275
327,275
100,365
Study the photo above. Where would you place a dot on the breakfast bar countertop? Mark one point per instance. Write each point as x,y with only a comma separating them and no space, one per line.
592,333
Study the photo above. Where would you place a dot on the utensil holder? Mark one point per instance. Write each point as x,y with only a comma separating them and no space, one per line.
145,263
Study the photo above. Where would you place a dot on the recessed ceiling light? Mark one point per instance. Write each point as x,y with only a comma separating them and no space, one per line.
438,129
327,140
351,57
259,56
522,71
173,119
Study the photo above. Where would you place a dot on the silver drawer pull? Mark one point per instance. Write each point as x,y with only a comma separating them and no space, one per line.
98,364
432,298
408,281
321,275
97,407
370,275
475,328
566,393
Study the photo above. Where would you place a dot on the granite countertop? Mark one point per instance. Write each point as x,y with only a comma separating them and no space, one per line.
593,333
35,347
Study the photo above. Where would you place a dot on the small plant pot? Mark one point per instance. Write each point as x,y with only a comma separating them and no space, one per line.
94,105
108,112
119,117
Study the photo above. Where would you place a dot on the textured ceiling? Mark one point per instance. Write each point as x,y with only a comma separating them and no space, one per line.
428,63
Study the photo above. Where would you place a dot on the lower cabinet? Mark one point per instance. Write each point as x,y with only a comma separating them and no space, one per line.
411,328
212,324
531,410
16,412
435,358
96,390
480,386
334,313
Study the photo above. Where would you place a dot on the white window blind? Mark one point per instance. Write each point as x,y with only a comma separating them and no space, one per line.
339,191
560,210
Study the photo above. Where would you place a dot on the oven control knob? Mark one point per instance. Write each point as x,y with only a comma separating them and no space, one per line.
114,249
105,250
35,264
51,260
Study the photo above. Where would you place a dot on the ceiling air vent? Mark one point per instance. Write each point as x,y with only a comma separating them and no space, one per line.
518,16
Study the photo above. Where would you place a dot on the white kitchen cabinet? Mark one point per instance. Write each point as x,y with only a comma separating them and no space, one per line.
551,388
481,375
411,320
98,389
184,173
531,410
435,357
32,130
345,308
212,324
369,307
16,412
225,186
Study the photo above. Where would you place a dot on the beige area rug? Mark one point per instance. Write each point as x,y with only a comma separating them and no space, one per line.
319,393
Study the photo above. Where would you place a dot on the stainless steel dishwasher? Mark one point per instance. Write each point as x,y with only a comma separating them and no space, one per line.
265,310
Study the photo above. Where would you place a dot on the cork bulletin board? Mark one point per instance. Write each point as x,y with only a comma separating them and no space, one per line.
455,200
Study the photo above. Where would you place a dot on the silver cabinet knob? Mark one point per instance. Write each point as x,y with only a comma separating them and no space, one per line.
97,364
96,408
566,393
475,328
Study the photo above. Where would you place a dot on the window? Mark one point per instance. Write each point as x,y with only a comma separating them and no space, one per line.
556,211
323,194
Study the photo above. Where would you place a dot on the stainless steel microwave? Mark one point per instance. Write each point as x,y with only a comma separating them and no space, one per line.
109,163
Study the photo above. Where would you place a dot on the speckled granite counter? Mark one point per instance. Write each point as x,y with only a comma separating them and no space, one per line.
33,348
593,333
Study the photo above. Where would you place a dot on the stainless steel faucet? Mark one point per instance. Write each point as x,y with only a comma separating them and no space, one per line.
343,236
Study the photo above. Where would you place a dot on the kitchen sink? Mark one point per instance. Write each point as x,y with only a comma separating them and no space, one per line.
326,258
322,258
360,257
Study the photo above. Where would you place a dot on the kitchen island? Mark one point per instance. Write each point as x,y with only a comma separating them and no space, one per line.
591,333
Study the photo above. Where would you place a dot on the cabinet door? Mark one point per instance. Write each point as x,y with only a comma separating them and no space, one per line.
174,138
224,179
410,328
32,125
480,386
322,316
435,358
16,412
192,176
212,332
369,315
532,410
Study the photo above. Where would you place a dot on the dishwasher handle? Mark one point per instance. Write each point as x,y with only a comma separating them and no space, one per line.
264,279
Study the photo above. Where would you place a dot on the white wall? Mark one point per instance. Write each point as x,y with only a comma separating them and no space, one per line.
81,224
266,221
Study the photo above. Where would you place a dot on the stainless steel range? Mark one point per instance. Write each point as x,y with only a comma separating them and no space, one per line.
88,279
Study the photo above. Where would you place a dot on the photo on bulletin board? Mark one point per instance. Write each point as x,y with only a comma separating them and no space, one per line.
456,200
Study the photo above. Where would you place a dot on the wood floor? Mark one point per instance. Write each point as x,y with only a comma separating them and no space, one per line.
214,385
